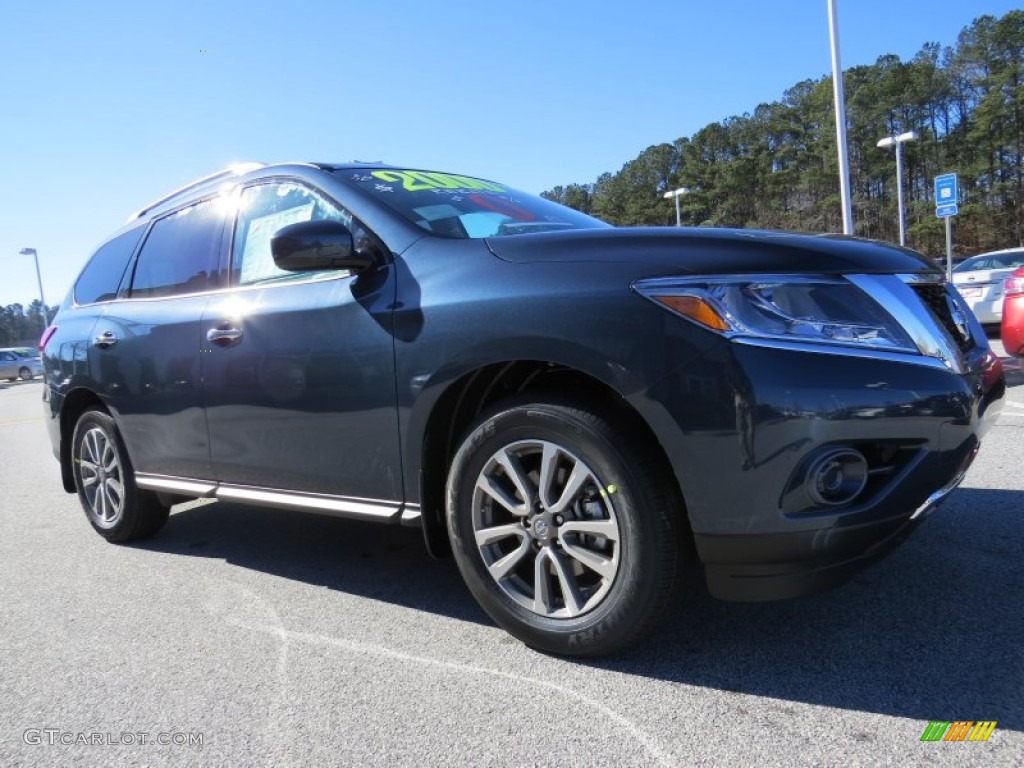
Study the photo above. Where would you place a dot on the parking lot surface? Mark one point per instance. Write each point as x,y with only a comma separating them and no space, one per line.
252,637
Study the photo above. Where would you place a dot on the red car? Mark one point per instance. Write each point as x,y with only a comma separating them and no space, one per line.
1013,314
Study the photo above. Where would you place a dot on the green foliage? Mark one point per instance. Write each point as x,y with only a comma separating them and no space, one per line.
20,327
777,167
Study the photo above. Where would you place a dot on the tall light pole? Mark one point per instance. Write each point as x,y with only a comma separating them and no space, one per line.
840,103
676,193
887,142
39,279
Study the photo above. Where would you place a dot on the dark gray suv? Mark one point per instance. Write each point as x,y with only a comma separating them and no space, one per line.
574,410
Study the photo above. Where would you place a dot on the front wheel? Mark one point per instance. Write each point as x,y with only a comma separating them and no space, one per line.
564,527
25,374
115,506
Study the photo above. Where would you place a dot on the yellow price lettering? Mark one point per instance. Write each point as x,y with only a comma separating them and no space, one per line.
420,181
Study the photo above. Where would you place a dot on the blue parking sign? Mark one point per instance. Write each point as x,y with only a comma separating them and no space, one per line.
946,195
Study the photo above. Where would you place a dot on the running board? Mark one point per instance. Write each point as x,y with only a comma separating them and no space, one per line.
336,506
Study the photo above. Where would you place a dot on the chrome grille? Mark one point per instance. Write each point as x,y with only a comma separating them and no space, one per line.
936,298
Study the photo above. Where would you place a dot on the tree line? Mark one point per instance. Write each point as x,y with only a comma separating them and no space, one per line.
21,326
777,168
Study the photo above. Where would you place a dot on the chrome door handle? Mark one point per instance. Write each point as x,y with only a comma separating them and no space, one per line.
104,340
223,337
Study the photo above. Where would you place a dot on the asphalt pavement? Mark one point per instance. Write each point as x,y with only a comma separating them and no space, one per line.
249,637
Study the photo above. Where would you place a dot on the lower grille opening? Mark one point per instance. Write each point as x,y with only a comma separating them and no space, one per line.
885,460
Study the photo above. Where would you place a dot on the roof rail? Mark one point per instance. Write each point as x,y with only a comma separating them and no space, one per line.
235,169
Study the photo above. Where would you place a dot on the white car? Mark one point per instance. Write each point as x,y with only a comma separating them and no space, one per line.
979,280
15,364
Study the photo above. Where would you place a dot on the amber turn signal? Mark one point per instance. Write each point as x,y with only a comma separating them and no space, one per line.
696,309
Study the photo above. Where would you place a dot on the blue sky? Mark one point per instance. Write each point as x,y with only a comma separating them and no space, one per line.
107,105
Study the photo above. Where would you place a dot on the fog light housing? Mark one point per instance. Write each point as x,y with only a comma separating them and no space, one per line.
837,477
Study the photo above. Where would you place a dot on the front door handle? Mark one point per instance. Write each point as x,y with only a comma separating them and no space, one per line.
104,340
223,336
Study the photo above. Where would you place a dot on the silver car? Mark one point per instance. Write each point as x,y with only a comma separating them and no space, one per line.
979,280
16,364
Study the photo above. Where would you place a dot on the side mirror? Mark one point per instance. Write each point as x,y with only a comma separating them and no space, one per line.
312,245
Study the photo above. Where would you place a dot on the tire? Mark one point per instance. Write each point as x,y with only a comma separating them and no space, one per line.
587,573
25,374
116,508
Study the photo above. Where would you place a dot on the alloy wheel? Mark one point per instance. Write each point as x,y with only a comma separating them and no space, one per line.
546,528
102,478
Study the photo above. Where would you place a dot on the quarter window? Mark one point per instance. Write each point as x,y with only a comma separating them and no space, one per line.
181,253
102,275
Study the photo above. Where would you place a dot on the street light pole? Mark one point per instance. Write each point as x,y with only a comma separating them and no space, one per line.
840,105
39,280
675,193
889,141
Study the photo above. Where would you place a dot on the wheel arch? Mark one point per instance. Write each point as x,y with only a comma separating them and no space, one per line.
472,393
76,402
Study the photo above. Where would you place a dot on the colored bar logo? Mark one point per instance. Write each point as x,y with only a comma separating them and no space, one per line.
959,730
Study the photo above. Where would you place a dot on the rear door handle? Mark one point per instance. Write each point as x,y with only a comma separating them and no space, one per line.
223,337
104,340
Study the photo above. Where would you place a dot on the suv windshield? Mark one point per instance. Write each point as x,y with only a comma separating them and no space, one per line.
461,206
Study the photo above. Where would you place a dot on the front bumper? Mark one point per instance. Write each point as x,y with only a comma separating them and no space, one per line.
787,565
742,461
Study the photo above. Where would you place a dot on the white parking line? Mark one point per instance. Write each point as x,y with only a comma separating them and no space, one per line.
286,636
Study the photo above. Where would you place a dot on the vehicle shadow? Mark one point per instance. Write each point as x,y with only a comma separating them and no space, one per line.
932,632
5,384
381,562
1012,366
1014,370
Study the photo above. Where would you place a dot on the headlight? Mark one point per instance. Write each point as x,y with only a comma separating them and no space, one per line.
824,310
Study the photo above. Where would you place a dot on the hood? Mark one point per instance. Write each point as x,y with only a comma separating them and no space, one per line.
713,251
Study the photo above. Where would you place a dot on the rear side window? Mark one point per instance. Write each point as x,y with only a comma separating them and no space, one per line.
1009,260
102,275
181,254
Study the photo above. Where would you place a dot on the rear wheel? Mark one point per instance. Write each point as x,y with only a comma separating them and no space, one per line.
25,374
564,527
115,506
